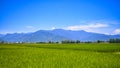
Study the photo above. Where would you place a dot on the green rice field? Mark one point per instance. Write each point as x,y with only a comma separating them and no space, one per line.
83,55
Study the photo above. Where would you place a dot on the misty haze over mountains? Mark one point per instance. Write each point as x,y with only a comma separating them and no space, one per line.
55,35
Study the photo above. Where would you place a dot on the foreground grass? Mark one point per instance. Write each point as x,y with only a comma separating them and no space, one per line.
60,55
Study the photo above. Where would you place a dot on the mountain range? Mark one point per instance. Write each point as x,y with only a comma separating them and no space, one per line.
55,35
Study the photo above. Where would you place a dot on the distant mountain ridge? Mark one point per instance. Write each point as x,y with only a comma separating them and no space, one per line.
55,35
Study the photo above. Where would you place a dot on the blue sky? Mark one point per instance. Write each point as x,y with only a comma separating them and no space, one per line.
100,16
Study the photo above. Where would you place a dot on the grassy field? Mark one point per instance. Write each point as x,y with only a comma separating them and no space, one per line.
93,55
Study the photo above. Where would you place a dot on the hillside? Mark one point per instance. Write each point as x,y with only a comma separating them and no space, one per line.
56,35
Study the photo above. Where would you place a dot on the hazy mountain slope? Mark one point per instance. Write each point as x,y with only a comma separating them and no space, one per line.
56,35
80,35
43,36
39,36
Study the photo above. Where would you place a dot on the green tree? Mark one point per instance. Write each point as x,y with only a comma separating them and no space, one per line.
77,41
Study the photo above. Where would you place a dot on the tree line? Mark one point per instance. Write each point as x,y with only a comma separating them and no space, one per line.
117,40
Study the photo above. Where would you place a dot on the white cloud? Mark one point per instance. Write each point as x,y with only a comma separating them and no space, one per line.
53,28
87,27
29,27
116,31
92,27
